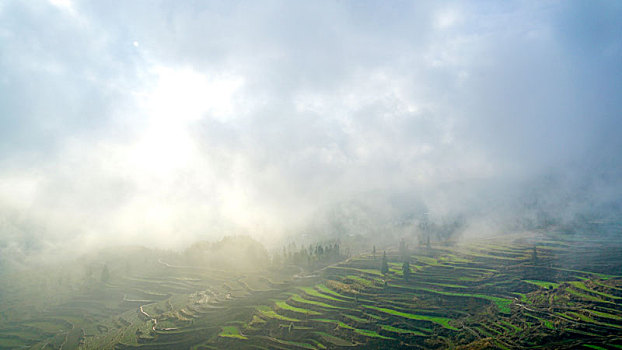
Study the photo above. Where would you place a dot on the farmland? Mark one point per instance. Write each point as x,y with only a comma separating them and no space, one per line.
507,292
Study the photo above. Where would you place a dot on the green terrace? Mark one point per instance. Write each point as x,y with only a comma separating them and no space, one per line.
487,292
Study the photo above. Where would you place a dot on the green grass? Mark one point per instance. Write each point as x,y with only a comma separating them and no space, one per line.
442,321
292,343
598,282
581,285
468,279
268,312
337,322
426,260
300,299
322,288
375,317
370,271
502,303
361,281
501,346
445,285
283,305
605,315
543,284
231,332
402,331
523,297
585,296
317,294
510,325
372,334
594,347
11,343
588,319
333,339
357,319
317,344
600,275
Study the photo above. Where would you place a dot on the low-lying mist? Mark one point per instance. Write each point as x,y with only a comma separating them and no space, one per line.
160,126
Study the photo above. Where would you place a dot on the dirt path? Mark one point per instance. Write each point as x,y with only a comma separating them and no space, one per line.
153,319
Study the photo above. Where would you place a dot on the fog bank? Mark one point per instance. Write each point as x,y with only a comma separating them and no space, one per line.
161,124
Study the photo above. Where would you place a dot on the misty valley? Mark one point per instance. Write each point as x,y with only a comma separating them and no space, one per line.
323,174
529,290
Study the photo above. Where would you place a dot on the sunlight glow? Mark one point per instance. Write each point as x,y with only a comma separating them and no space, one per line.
178,99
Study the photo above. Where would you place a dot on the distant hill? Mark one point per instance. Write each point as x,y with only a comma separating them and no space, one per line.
234,252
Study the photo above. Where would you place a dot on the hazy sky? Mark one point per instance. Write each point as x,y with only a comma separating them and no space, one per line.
162,122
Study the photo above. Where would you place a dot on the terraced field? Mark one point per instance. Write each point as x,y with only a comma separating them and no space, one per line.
509,292
482,295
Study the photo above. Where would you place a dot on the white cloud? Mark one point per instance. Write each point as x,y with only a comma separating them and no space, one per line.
166,123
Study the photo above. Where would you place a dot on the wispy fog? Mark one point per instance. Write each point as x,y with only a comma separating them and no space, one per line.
162,123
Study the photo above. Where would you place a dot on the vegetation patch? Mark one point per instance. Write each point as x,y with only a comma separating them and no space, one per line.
582,286
605,315
585,296
401,330
231,332
336,322
283,305
300,299
333,339
322,288
442,321
543,284
312,292
372,334
594,347
291,343
357,319
269,313
502,303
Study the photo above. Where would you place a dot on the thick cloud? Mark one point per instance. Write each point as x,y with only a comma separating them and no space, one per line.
164,122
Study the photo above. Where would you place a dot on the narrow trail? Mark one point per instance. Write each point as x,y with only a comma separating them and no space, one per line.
153,319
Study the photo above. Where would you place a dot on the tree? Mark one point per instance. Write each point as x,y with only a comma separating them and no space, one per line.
406,269
534,255
403,249
105,277
373,251
384,268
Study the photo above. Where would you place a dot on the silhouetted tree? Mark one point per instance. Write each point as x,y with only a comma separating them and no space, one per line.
374,252
534,255
406,269
384,268
403,249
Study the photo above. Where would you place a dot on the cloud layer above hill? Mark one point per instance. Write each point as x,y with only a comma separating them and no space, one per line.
160,122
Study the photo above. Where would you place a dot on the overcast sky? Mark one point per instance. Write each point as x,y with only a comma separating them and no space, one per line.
162,122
